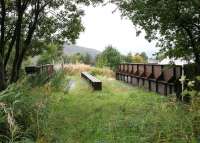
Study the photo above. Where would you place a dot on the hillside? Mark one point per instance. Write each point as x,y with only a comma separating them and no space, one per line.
73,49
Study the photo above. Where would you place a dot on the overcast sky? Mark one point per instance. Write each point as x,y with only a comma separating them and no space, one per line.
106,28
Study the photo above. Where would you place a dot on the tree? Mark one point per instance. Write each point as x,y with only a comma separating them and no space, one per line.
41,20
78,58
173,23
51,53
101,61
137,58
2,44
144,56
87,59
129,58
110,57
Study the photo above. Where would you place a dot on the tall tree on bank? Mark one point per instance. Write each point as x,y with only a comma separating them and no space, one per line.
174,23
21,21
110,57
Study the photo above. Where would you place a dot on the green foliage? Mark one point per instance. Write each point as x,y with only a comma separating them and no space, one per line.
78,58
37,47
26,24
24,108
120,113
53,52
110,57
138,59
87,59
102,72
59,82
174,24
191,82
37,80
129,58
191,95
101,61
192,87
23,113
144,56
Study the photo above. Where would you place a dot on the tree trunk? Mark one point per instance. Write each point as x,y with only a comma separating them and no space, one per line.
2,40
2,75
17,51
195,50
197,61
8,53
14,74
2,46
27,43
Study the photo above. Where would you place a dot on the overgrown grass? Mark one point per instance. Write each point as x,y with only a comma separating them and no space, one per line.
24,107
118,114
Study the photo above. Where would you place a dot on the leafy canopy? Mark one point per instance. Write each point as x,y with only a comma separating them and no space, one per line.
110,57
24,24
175,24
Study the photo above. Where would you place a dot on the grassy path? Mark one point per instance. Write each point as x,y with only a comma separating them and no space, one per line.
118,114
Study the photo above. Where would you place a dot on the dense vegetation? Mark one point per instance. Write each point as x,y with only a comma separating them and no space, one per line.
63,110
25,23
25,106
111,58
174,24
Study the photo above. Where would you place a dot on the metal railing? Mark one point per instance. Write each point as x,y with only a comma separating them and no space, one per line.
49,69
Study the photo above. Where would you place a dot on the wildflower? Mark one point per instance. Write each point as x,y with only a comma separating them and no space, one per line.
182,79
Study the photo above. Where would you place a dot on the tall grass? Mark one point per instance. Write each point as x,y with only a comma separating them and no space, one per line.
119,113
24,108
20,113
59,81
123,114
76,69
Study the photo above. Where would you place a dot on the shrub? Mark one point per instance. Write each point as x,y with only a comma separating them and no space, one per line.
59,82
102,72
19,114
110,57
37,80
24,108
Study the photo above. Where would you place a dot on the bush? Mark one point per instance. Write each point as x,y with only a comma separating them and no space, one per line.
22,113
37,80
110,57
24,108
102,72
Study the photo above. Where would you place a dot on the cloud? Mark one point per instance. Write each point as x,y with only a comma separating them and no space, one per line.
106,28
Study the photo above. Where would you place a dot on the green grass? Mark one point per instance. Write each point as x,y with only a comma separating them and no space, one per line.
118,114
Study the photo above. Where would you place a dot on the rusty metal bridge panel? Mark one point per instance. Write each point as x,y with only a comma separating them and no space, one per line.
162,79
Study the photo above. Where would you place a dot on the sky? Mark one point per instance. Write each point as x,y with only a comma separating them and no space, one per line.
103,28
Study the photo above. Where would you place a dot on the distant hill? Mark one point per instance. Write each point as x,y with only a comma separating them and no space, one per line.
73,49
